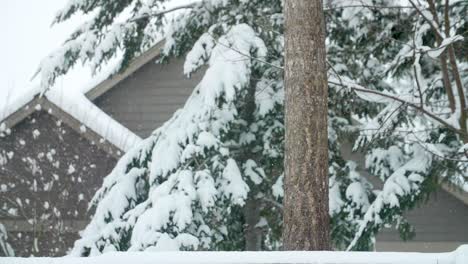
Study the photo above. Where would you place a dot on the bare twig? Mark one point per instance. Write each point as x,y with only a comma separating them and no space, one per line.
428,20
273,202
443,59
160,13
367,6
384,122
418,86
245,55
415,70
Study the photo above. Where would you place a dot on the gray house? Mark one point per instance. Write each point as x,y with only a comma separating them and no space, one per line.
54,153
48,172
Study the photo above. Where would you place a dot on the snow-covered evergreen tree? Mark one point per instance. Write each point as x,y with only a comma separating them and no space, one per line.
212,174
415,133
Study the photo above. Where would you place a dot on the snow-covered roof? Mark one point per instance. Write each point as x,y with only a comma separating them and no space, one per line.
76,106
79,105
79,89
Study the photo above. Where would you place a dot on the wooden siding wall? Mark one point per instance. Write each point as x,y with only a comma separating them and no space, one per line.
49,173
147,98
441,224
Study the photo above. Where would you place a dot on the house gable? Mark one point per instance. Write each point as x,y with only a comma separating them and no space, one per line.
79,113
49,174
43,104
149,96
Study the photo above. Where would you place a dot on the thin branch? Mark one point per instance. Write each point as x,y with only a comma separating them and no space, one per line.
384,122
428,20
419,87
443,62
160,13
416,58
414,106
336,73
433,10
273,202
245,55
422,144
366,6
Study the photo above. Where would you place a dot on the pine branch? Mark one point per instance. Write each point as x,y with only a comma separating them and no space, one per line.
359,88
422,145
273,202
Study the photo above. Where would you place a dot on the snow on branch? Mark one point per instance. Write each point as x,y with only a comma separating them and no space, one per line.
446,42
119,32
404,183
183,184
382,97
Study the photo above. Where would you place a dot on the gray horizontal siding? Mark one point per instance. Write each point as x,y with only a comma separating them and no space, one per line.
440,222
431,247
149,97
442,218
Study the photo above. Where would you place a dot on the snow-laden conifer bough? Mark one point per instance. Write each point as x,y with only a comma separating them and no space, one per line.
459,256
185,186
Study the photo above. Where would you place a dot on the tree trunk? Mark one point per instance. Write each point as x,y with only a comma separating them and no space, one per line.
253,234
443,60
306,219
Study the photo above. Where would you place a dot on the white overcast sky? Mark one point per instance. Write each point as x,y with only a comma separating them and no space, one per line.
26,36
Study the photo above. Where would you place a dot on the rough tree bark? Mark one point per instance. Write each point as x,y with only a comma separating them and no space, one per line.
306,219
443,60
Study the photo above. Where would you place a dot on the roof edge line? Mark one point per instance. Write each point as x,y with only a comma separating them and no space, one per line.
115,79
53,109
22,112
455,191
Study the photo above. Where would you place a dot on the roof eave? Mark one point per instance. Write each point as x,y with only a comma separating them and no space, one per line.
136,64
43,104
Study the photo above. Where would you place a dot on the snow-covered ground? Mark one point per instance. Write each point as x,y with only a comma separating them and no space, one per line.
459,256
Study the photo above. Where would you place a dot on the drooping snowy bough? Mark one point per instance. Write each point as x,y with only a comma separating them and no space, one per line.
180,188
